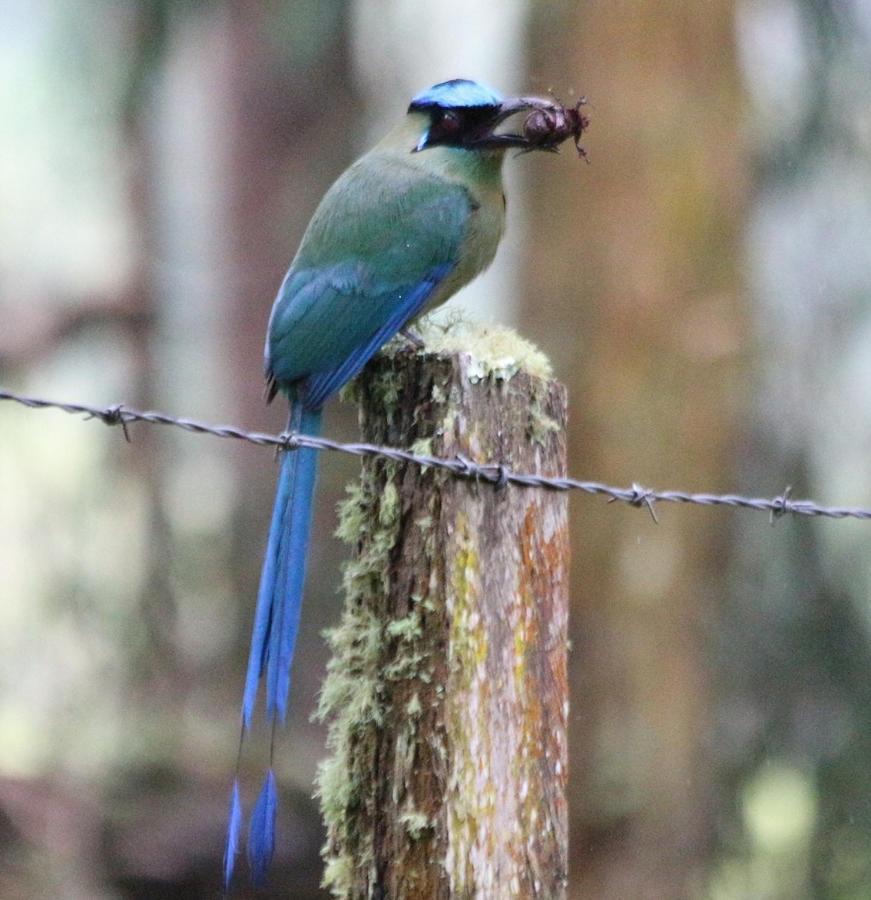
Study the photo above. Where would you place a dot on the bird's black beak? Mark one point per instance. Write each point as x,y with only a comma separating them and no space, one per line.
487,138
546,125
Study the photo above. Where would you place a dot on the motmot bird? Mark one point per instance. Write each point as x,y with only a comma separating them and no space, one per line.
405,227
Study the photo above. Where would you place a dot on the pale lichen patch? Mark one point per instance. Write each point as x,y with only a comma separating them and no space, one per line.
414,707
415,823
422,446
407,628
496,351
338,875
541,426
471,786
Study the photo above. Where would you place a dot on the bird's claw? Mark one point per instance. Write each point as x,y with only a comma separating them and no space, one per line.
413,338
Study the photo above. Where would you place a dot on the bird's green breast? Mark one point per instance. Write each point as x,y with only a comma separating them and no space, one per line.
479,174
482,180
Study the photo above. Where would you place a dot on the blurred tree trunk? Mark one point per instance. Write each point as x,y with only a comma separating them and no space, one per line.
288,123
154,666
634,290
230,109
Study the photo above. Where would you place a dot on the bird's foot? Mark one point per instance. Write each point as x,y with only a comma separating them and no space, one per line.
413,338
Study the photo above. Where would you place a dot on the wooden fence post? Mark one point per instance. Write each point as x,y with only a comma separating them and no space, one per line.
446,693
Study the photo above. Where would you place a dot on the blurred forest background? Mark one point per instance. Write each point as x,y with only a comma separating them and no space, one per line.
703,287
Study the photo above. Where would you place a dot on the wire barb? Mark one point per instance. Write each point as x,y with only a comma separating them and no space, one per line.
644,497
780,506
460,466
113,415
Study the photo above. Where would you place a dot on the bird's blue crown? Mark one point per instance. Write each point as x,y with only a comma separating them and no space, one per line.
459,92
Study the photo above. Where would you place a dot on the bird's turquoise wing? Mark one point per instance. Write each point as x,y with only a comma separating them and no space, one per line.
379,245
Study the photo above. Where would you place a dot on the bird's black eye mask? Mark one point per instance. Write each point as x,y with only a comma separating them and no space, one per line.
459,127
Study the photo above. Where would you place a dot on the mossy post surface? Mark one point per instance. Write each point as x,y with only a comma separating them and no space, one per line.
447,692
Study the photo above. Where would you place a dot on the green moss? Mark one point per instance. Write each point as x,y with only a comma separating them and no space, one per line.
422,446
350,698
408,665
368,655
541,425
407,628
439,396
351,513
338,872
350,392
408,660
350,687
388,507
415,823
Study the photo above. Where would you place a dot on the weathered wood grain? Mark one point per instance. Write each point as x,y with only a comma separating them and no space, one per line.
447,690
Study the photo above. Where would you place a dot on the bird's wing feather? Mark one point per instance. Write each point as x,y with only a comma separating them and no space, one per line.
378,247
404,307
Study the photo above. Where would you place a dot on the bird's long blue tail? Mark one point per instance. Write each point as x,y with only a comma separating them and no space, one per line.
276,623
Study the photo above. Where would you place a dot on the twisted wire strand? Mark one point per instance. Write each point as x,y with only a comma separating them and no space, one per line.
459,466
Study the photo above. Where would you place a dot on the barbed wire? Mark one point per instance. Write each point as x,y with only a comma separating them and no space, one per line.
494,473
